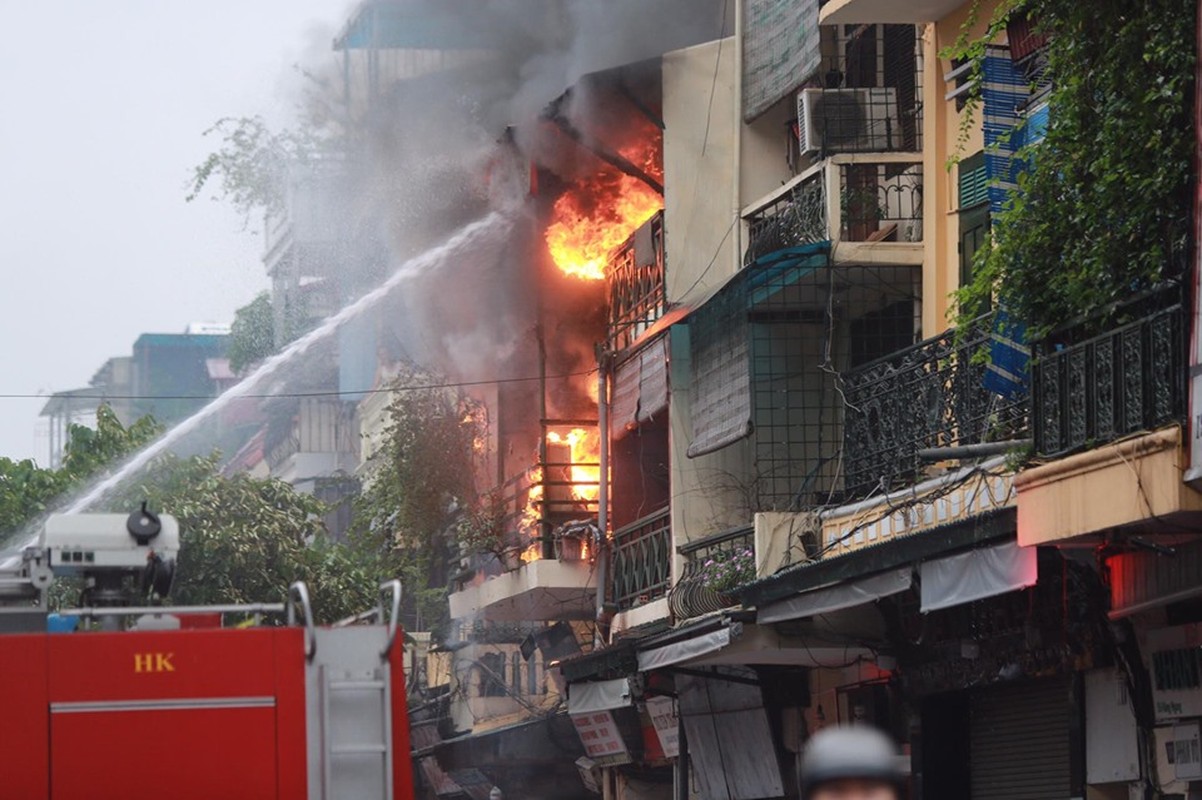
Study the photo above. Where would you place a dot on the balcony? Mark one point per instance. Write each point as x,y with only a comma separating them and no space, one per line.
1092,389
861,12
869,206
543,589
926,396
1108,402
642,561
693,594
635,283
532,559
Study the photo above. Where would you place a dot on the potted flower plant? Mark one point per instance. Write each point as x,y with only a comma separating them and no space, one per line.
723,573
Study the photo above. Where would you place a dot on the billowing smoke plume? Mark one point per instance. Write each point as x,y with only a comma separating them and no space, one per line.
438,147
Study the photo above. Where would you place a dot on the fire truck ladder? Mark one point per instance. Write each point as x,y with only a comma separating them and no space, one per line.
350,668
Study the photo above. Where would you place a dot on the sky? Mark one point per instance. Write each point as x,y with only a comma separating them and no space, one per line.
104,107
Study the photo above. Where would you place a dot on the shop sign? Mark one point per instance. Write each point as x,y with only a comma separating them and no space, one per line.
600,736
1176,671
667,724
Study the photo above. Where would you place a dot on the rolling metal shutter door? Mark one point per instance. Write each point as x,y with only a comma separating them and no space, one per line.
1019,742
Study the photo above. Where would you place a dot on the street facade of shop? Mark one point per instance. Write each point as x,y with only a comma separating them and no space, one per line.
847,533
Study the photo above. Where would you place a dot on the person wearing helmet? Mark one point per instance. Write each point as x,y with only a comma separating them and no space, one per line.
852,762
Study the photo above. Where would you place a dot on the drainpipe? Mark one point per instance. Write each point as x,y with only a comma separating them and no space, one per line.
602,543
737,145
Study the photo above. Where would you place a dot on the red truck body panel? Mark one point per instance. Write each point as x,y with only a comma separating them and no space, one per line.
185,714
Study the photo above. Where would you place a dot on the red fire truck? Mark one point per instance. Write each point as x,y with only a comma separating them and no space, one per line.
116,700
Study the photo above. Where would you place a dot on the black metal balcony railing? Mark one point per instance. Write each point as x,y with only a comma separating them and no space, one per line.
880,202
642,563
928,395
1131,378
796,218
692,595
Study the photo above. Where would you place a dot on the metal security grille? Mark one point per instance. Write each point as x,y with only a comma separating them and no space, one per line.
808,324
1020,742
867,96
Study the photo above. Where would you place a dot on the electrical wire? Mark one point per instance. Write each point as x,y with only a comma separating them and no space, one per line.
323,393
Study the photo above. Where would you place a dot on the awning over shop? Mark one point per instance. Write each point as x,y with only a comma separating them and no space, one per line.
838,597
977,574
687,649
585,698
1143,580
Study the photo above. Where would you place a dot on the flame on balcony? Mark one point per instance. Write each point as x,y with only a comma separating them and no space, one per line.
600,213
584,446
573,468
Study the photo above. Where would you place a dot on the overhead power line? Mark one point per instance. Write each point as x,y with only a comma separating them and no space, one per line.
323,393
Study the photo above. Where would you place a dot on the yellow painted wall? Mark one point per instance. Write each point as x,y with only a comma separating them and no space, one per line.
942,143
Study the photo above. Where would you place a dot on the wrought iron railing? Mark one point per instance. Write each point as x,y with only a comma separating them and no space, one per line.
642,563
880,202
635,278
692,595
1130,378
928,395
794,219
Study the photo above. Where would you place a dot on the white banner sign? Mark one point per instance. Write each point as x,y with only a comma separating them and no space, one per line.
599,734
667,724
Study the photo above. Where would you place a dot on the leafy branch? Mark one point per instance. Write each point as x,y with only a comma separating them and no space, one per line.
252,165
1101,209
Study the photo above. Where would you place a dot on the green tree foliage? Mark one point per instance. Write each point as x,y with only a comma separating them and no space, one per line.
1102,210
246,540
419,484
28,491
252,336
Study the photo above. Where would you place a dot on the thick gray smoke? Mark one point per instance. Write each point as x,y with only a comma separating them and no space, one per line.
431,157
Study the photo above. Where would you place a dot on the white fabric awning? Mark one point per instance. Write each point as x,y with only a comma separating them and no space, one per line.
837,597
684,650
589,698
977,574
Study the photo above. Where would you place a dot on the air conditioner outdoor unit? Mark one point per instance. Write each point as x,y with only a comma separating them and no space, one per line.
848,120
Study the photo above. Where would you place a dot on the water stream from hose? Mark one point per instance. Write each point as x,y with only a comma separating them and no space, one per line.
486,231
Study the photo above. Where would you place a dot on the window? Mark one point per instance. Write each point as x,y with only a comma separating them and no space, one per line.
974,212
492,675
515,673
533,685
961,82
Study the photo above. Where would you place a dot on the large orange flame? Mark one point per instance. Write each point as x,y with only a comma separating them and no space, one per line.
582,472
599,214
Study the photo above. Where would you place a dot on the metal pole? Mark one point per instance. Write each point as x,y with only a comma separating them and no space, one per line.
737,145
543,526
603,491
981,450
682,759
